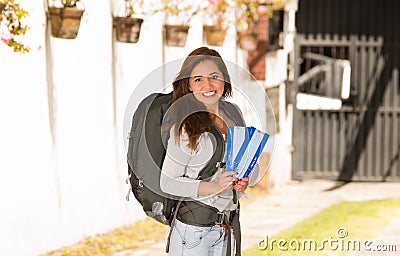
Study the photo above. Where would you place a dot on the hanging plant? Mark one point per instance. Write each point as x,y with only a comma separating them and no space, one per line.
128,26
178,17
217,20
12,27
249,13
219,12
65,18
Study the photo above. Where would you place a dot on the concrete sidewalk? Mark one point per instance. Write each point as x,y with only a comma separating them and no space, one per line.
292,202
296,201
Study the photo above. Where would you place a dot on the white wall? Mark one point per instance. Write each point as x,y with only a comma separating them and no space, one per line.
62,159
55,194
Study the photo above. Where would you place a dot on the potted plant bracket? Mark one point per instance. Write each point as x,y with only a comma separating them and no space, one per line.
65,21
248,41
128,27
218,19
214,35
176,35
176,27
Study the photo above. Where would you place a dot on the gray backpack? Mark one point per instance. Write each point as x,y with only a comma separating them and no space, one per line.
146,154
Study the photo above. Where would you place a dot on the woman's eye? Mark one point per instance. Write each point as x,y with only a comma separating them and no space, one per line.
198,79
214,76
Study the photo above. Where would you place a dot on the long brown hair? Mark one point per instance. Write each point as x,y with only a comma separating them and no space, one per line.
189,113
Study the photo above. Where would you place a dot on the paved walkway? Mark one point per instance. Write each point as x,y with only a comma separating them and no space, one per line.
298,200
290,203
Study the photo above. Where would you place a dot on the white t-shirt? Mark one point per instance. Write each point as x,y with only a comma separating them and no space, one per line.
182,166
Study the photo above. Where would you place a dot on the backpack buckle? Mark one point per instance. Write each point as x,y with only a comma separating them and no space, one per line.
220,164
221,217
140,183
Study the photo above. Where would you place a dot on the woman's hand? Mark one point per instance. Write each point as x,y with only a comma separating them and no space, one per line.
225,181
241,185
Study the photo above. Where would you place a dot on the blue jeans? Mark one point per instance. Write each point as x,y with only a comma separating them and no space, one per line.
188,240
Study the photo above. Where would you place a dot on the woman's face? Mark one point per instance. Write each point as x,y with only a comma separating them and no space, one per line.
207,83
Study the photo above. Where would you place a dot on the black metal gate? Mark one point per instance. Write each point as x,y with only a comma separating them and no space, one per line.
360,140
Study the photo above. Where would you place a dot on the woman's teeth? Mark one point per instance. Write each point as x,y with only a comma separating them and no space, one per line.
208,94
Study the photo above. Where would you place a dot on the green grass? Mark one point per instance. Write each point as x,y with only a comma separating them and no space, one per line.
361,220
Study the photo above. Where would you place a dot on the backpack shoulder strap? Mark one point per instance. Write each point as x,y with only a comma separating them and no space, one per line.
233,111
211,167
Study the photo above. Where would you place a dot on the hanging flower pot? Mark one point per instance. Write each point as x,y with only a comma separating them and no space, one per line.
248,41
65,22
128,29
175,35
214,35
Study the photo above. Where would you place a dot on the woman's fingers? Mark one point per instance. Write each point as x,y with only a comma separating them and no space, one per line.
241,184
231,174
225,180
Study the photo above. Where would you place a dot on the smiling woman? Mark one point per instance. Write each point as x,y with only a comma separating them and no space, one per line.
203,76
207,218
207,84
